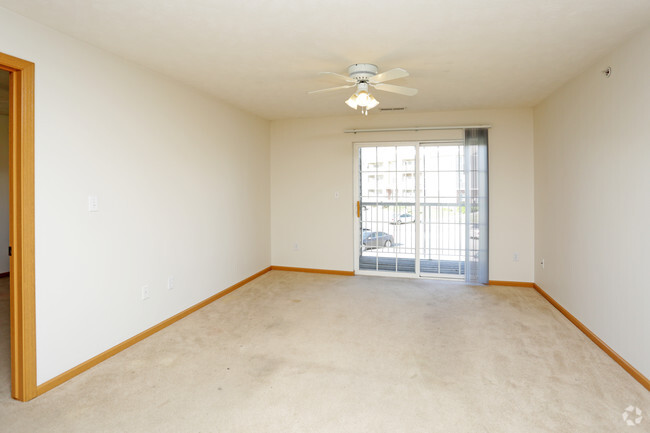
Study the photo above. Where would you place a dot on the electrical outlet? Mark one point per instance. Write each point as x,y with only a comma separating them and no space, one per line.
146,294
170,283
542,263
515,257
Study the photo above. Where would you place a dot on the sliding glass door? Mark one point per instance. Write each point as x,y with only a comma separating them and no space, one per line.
444,218
422,209
387,208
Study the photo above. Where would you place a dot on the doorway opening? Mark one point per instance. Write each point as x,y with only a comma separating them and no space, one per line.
21,226
422,209
5,340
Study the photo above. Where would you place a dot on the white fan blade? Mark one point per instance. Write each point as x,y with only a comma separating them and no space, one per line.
392,74
396,89
342,77
331,89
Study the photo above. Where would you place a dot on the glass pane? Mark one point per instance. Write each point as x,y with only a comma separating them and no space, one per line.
368,159
442,231
429,187
448,158
428,158
406,186
385,185
368,185
448,186
387,228
386,158
406,158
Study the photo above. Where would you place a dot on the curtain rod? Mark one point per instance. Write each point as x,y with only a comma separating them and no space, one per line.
415,128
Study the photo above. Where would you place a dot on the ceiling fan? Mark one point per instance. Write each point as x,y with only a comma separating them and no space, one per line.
363,76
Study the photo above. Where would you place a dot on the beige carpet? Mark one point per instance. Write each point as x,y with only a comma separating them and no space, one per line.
294,352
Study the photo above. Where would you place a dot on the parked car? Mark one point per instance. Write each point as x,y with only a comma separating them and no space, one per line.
377,239
402,219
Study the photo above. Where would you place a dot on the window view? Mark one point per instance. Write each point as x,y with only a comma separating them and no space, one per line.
387,188
442,201
393,215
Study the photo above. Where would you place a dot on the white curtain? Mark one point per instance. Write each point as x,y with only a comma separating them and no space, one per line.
476,208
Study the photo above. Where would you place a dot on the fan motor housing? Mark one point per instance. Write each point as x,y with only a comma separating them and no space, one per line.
362,71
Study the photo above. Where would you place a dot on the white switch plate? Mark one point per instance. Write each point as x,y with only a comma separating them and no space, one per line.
93,203
515,257
146,294
295,247
337,195
542,263
170,283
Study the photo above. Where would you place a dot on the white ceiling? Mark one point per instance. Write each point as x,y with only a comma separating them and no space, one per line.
264,55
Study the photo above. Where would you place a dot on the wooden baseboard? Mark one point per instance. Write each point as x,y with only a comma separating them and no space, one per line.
63,377
636,374
4,274
511,283
312,271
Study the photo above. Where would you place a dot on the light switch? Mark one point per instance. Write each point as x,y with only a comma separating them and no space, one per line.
93,203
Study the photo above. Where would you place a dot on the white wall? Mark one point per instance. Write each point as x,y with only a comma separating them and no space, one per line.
182,181
4,191
311,159
591,199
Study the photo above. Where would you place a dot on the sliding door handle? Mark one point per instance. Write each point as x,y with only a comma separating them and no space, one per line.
358,209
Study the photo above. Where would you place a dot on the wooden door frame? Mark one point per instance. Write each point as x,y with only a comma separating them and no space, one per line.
21,227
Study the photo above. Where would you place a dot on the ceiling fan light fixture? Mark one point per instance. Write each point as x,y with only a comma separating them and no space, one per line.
364,100
363,97
364,76
372,102
352,101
